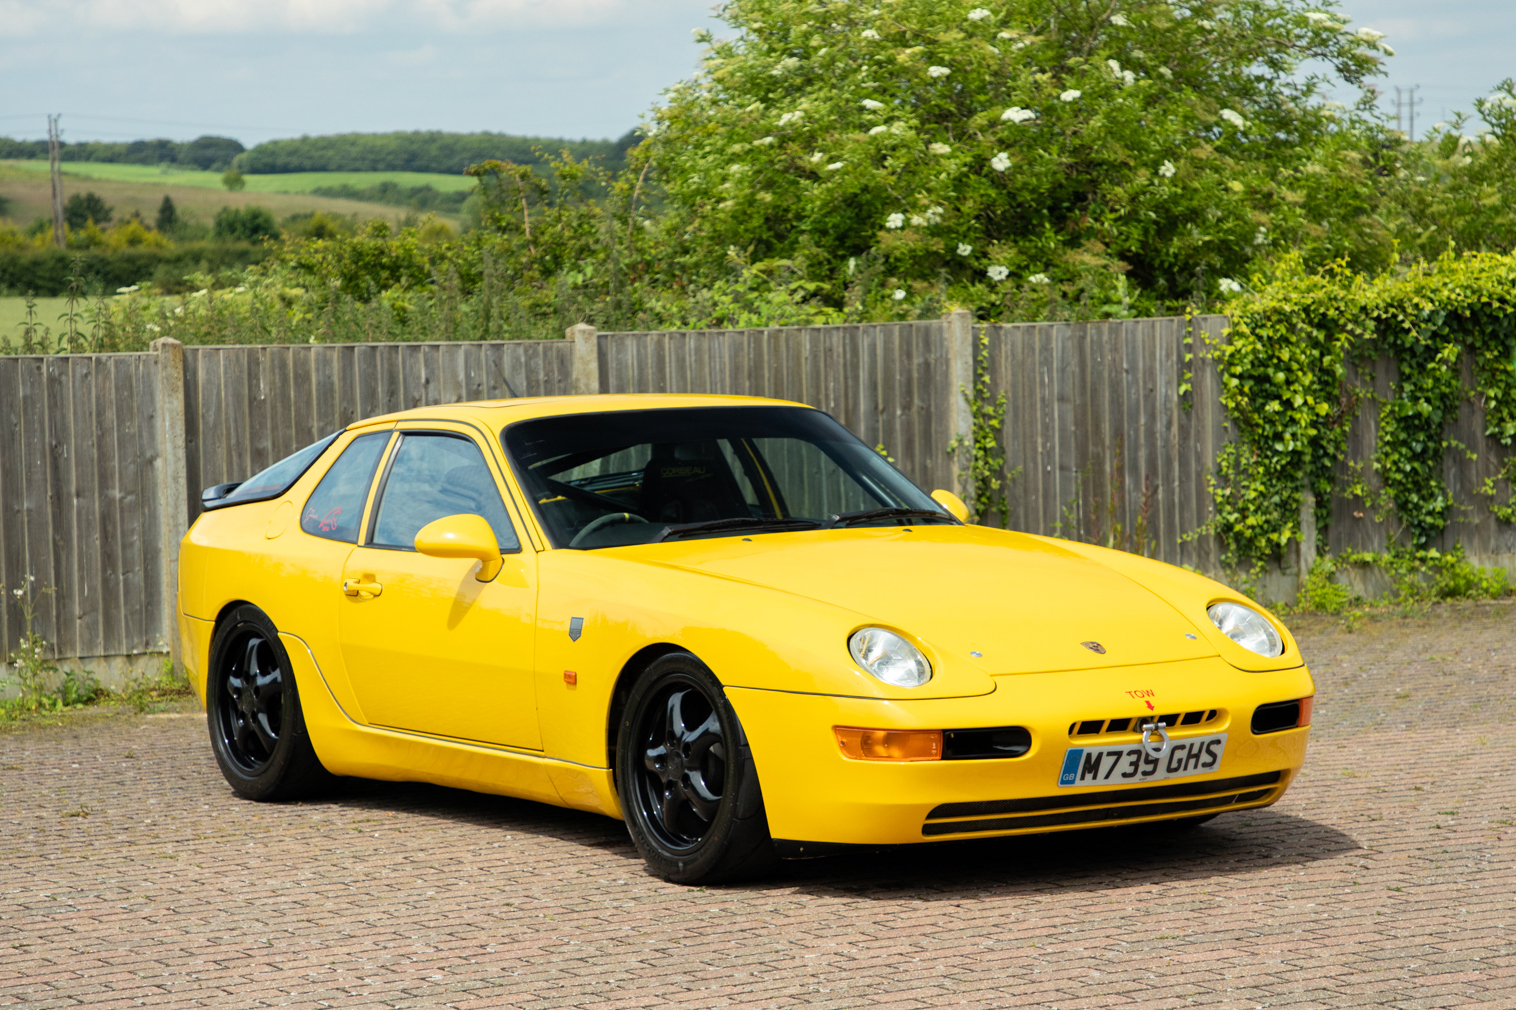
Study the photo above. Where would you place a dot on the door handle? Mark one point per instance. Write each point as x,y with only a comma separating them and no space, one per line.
353,587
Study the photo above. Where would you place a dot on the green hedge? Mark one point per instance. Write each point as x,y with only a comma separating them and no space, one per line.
45,273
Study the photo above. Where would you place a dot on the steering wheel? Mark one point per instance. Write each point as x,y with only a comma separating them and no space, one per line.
614,519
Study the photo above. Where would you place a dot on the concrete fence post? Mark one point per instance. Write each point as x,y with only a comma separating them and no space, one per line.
172,479
958,328
586,367
1307,558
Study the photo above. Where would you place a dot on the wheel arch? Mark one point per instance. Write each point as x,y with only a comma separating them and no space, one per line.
630,671
222,616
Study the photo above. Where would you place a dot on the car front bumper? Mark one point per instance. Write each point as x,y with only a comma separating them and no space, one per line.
814,794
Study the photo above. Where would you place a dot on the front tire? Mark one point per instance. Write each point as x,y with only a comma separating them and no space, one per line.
685,775
253,710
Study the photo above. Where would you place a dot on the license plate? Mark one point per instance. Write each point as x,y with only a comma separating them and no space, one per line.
1131,763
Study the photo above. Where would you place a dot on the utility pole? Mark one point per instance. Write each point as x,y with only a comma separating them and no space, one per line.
1399,119
55,169
1411,102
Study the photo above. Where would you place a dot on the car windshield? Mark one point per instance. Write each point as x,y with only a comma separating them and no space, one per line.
641,476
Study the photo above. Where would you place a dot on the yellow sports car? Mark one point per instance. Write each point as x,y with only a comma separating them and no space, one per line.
725,620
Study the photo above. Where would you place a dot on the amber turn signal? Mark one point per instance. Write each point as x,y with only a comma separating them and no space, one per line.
1305,710
889,744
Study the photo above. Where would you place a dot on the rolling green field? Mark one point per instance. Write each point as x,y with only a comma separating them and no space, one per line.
13,313
27,194
292,182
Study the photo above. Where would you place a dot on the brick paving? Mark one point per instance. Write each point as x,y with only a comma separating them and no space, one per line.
130,876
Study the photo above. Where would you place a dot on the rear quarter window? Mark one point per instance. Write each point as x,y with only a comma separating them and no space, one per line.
334,510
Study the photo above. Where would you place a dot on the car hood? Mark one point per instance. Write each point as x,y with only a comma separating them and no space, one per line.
1024,604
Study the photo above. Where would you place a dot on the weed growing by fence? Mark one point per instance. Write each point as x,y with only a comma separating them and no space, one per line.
1419,577
986,477
1102,524
43,688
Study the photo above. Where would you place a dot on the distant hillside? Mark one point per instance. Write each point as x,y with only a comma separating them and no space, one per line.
421,151
212,153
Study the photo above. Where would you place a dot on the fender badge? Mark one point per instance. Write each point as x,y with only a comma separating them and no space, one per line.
576,628
1094,647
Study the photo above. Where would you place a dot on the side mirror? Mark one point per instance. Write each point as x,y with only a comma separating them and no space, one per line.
462,536
952,503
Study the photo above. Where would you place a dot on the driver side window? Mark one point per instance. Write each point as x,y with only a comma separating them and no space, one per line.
432,476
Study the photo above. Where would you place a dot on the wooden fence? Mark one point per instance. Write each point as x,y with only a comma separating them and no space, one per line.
893,384
248,407
81,478
1100,445
102,457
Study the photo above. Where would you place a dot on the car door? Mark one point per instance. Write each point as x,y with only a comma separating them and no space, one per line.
427,646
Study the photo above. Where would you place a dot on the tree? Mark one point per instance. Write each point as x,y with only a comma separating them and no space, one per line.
168,215
82,208
244,224
1026,153
210,153
1455,190
233,181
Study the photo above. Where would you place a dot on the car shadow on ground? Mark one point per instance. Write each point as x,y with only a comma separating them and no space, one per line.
1091,860
1095,859
483,810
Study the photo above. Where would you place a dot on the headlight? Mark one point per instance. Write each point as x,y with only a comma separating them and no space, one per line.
890,658
1247,627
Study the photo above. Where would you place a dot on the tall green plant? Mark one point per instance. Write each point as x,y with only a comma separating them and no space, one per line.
985,478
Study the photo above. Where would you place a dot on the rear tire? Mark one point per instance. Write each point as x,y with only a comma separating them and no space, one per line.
253,710
685,775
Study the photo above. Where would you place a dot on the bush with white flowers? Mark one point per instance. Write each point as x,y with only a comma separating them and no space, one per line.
1055,150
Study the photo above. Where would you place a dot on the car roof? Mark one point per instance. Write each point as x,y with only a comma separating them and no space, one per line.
501,412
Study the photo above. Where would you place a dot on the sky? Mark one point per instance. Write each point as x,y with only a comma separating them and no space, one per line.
1456,50
260,69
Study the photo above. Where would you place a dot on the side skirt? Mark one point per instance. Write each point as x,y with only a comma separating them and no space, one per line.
347,747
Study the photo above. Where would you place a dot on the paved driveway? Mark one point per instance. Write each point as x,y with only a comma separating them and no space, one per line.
130,876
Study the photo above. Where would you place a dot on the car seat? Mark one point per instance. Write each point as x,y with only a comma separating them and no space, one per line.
689,482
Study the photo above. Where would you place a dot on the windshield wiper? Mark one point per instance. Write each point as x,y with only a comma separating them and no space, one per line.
869,515
735,524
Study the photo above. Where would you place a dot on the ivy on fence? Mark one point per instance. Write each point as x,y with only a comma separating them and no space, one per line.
1285,383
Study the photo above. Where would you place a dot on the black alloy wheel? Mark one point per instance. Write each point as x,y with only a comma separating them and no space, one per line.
253,709
683,765
252,706
689,789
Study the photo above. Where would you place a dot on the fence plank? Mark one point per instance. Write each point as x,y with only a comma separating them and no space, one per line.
111,607
12,505
131,485
60,498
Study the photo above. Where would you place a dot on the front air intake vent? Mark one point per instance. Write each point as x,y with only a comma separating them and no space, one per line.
1274,717
976,744
1100,727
